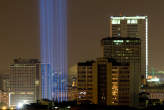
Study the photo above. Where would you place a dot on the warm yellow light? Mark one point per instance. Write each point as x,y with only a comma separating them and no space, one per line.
150,77
73,84
12,108
4,108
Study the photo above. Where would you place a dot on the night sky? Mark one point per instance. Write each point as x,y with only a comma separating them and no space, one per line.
19,28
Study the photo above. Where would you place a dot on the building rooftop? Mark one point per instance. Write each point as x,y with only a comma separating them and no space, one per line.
113,61
128,17
87,63
121,38
25,61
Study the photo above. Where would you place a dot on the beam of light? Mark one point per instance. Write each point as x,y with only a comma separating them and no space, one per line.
53,40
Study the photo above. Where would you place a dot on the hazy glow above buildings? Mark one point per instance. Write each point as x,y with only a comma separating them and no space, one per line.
53,40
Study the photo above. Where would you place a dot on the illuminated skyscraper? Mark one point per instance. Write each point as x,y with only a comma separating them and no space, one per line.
126,50
53,40
132,26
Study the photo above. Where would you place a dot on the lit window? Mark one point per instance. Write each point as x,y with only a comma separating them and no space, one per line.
118,41
132,21
115,21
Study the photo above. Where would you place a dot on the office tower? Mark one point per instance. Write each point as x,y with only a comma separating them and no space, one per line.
53,40
126,50
24,81
122,49
85,86
113,82
132,26
105,82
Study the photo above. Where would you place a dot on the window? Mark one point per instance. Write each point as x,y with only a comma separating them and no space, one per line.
118,41
132,21
115,21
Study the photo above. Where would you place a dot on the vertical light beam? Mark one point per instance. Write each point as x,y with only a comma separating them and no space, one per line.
53,41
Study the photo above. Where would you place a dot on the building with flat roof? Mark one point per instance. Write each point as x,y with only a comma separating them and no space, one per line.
85,86
24,81
134,27
154,91
106,82
4,98
126,50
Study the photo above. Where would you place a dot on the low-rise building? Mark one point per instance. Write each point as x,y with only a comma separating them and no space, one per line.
4,98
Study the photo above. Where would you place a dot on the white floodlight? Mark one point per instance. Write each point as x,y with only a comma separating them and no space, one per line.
20,105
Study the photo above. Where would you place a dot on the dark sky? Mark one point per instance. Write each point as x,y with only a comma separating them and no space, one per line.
19,28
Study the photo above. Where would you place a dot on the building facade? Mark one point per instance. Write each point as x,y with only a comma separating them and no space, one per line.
105,82
126,50
4,99
113,82
132,26
4,82
24,81
85,86
155,91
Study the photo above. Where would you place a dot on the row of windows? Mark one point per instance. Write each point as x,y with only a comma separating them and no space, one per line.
120,80
129,21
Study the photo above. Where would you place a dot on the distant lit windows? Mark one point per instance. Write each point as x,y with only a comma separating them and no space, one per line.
132,21
118,41
115,21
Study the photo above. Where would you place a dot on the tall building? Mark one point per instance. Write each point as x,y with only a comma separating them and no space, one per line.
113,82
24,81
105,82
85,83
126,50
132,26
53,40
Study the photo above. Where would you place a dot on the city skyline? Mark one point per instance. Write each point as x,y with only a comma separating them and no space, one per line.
86,21
63,54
